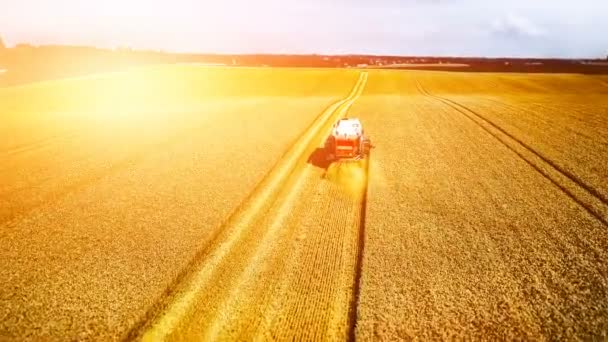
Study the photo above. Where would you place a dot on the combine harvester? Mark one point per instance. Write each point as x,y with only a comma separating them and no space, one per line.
347,141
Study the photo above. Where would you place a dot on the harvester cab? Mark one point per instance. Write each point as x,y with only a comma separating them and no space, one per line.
347,141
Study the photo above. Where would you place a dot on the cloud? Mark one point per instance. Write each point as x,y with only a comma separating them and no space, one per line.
516,26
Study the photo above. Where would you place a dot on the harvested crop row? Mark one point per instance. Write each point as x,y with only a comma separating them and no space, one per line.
465,239
322,262
297,284
287,261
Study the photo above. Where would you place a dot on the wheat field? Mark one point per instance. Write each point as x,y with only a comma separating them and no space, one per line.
183,202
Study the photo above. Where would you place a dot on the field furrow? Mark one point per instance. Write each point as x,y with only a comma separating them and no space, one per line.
333,224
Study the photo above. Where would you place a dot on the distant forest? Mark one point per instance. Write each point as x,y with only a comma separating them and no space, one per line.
26,63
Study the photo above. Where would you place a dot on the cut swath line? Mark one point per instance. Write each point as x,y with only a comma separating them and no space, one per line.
353,315
177,310
219,236
213,333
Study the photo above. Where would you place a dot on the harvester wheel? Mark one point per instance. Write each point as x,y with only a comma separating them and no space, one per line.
365,146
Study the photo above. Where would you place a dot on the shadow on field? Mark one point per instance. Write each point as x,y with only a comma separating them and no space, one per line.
319,159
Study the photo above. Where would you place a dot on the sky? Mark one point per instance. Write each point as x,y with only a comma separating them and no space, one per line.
515,28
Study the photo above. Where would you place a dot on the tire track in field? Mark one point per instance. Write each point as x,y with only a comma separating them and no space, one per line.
583,194
276,174
574,178
354,314
232,282
549,126
575,145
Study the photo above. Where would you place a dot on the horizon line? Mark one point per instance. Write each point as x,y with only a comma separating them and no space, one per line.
266,53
